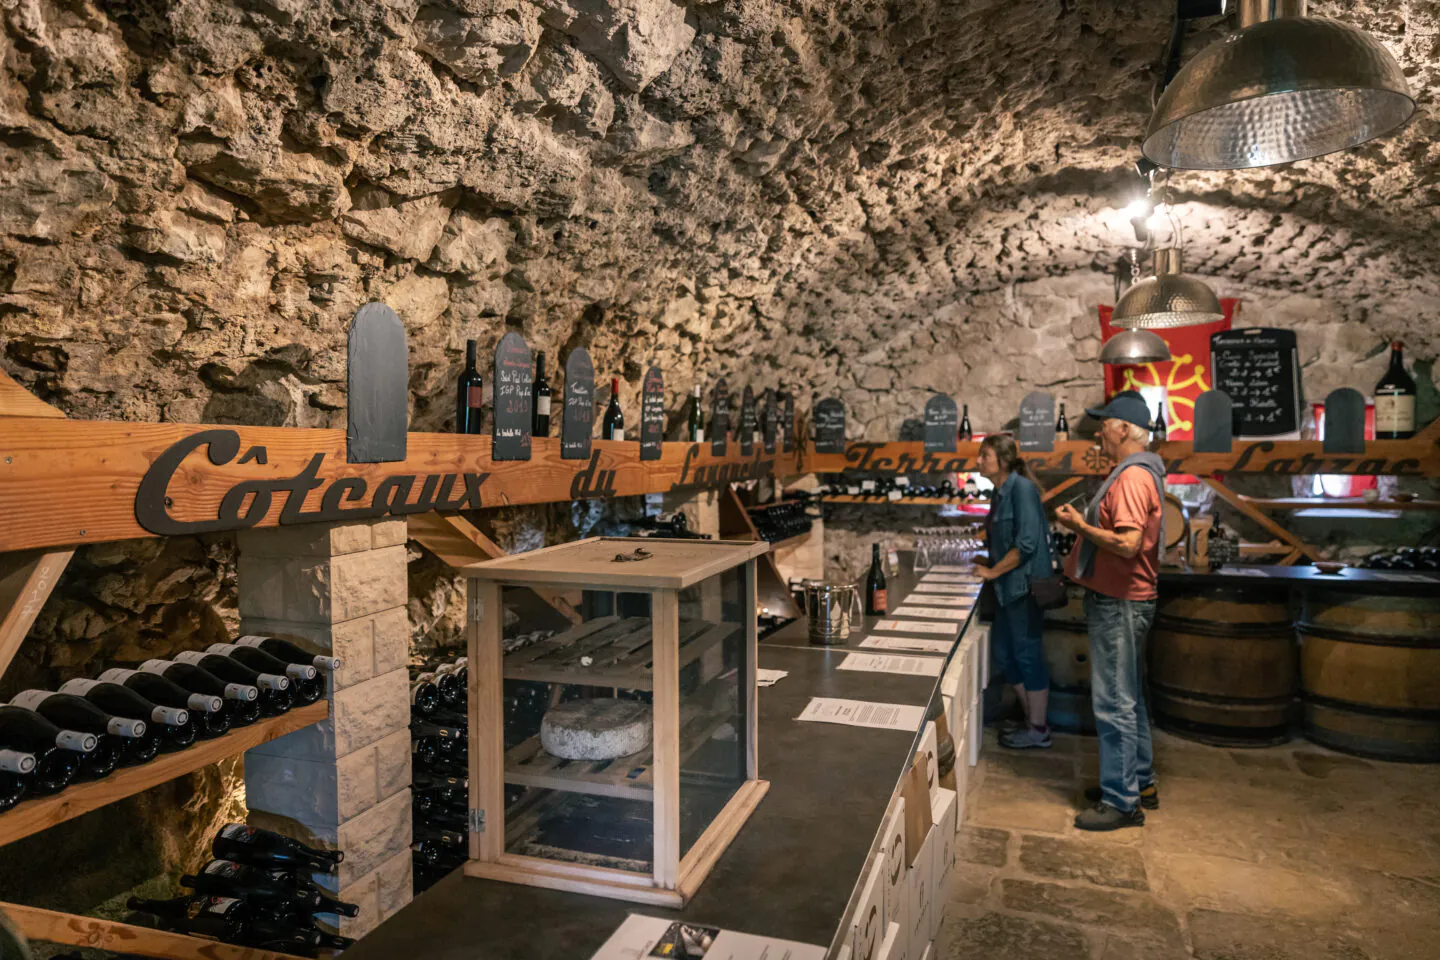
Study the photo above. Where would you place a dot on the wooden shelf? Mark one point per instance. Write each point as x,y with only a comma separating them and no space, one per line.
619,650
1347,503
905,501
77,931
787,541
32,816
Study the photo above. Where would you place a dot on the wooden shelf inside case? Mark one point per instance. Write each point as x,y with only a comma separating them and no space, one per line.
610,652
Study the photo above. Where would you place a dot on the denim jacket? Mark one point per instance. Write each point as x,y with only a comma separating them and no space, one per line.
1017,520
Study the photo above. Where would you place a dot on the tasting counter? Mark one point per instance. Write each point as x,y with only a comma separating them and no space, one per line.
790,872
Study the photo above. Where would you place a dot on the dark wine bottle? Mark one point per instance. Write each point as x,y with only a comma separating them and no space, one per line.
289,652
424,728
540,399
13,786
171,724
135,741
274,688
306,684
285,937
876,596
157,689
695,429
246,844
223,918
16,762
278,888
613,426
58,753
469,394
242,701
1062,426
1395,399
1158,429
966,433
452,686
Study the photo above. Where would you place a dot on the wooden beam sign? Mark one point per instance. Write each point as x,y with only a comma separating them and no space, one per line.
73,481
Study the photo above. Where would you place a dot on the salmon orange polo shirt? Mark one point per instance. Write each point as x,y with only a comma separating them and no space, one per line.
1132,502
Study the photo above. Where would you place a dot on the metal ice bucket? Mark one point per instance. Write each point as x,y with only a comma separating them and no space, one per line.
832,608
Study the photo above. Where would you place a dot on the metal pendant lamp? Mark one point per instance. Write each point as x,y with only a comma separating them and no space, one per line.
1134,346
1168,299
1284,87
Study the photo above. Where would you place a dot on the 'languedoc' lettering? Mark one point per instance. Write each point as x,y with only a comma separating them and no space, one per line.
247,502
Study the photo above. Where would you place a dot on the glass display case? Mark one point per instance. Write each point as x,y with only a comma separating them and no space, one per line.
616,757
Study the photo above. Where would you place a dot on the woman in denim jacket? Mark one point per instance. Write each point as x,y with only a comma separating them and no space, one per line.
1019,548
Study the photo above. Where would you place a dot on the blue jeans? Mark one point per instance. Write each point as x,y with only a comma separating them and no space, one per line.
1118,629
1017,638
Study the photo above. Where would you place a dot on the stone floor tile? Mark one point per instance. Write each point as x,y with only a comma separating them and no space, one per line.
1103,865
1023,804
1032,765
1135,912
1262,759
996,936
971,883
1218,883
1120,946
1217,935
1319,765
982,845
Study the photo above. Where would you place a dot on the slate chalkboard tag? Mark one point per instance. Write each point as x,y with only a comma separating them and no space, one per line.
770,423
1214,422
719,418
829,416
942,421
787,423
1259,369
652,414
747,423
577,417
513,381
378,383
1037,422
1345,421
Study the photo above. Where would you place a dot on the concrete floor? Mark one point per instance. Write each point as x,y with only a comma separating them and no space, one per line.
1288,853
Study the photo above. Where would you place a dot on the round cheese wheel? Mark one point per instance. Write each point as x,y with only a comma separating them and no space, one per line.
602,729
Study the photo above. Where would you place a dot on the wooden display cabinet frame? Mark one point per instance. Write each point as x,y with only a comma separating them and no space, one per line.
673,879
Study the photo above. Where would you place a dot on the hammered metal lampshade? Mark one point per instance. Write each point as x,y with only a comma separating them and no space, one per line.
1284,87
1168,299
1135,346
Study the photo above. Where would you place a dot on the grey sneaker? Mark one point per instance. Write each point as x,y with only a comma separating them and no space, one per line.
1149,796
1102,816
1027,739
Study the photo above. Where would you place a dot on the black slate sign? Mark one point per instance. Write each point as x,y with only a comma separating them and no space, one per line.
942,423
514,382
747,422
1260,371
719,418
577,416
378,381
787,423
652,414
829,415
1037,423
770,422
1345,421
1214,420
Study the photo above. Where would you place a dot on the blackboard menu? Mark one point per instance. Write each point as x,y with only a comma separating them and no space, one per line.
719,418
513,381
942,423
1260,371
652,414
1214,419
770,423
577,418
747,422
1037,422
1344,421
829,417
379,386
787,422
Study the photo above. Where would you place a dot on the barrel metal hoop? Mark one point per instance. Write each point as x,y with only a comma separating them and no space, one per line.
1224,629
1373,639
1423,715
1183,694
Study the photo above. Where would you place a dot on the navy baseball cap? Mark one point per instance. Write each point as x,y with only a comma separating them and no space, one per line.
1127,405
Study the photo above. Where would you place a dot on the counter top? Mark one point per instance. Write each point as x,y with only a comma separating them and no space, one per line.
1381,582
789,873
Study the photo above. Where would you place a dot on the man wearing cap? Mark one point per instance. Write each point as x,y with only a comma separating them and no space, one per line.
1116,559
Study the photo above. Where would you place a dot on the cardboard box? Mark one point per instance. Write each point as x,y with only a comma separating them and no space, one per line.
868,929
929,951
895,945
920,901
929,750
975,738
916,792
944,856
944,744
894,862
844,953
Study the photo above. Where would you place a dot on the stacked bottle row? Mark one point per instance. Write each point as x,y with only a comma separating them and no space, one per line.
780,521
440,761
86,729
256,892
899,488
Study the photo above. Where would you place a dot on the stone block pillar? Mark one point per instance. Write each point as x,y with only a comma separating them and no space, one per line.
339,589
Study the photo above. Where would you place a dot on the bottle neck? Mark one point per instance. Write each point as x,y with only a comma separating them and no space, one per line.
1397,356
540,366
470,355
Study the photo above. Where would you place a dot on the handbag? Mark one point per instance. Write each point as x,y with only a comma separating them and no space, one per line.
1050,593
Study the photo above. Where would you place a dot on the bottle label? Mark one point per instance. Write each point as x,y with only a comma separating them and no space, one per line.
76,741
542,406
619,434
170,716
192,657
222,868
881,600
31,699
78,687
475,397
894,495
902,481
13,761
214,906
237,832
156,667
251,640
1394,413
867,485
221,648
117,675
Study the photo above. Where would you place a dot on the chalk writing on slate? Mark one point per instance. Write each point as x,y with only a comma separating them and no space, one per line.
513,396
771,422
578,415
787,422
1259,369
1037,422
379,379
652,414
829,417
748,426
942,422
719,418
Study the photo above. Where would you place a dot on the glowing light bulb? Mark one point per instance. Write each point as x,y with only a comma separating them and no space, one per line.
1139,209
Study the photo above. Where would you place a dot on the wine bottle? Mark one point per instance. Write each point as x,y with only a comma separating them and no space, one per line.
1395,399
242,700
306,684
424,728
13,786
289,652
1158,429
540,397
452,688
246,844
58,753
469,394
278,888
695,429
16,762
157,689
171,724
876,596
134,740
223,918
274,688
1062,426
281,937
424,695
966,433
613,426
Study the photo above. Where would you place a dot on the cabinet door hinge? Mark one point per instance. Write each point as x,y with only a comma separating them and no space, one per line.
477,821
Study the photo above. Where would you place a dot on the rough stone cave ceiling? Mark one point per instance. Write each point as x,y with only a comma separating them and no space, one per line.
195,195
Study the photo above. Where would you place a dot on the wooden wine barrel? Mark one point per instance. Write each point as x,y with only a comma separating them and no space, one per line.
1370,674
1223,665
1067,653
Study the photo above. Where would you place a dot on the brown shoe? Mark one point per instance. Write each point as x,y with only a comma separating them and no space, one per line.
1102,816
